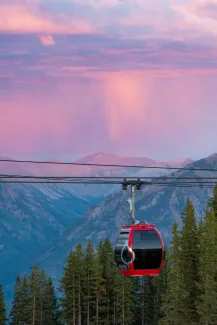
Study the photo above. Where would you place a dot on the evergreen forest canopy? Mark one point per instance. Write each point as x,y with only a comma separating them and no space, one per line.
93,292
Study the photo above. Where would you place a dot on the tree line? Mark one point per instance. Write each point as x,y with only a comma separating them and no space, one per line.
93,292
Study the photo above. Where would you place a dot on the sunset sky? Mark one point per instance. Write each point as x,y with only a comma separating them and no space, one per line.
130,77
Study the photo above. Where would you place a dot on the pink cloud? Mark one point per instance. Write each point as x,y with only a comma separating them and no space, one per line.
106,92
100,4
126,103
21,124
47,40
205,2
23,19
195,16
132,112
138,105
33,122
144,111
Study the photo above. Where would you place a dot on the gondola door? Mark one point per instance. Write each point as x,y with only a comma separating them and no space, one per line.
148,248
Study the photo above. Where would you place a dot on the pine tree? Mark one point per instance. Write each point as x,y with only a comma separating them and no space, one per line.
159,290
15,313
173,307
207,302
109,271
34,301
200,231
212,204
45,302
88,281
126,290
55,312
49,305
99,290
68,289
189,263
146,298
79,256
24,303
35,296
3,317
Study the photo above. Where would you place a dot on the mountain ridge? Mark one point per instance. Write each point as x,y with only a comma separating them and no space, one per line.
160,205
56,206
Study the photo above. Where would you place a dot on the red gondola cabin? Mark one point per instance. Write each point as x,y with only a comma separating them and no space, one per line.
139,250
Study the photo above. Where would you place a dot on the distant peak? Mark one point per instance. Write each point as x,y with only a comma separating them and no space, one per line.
214,155
88,158
181,161
113,159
